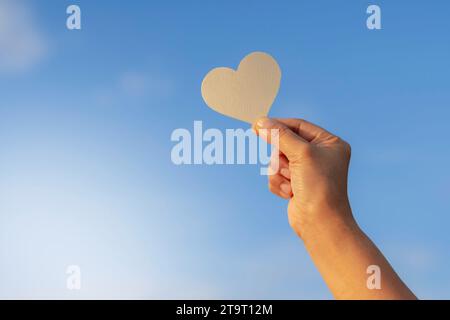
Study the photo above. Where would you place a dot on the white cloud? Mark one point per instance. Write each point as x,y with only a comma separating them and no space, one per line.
133,83
22,44
419,257
134,86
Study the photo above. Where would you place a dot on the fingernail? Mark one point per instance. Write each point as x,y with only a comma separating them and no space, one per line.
264,122
285,172
286,188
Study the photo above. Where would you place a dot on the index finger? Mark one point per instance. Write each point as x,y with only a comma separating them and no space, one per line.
303,128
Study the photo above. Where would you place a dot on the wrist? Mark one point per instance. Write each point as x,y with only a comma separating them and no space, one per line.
321,223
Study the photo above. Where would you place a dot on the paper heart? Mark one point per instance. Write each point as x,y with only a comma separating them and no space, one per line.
247,93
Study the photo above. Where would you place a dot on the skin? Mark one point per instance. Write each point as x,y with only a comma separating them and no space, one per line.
312,175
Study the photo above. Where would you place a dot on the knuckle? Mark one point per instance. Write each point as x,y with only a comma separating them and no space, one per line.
342,145
299,120
301,124
347,148
273,188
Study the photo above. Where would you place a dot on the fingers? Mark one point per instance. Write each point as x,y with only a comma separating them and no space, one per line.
279,164
280,186
305,129
279,134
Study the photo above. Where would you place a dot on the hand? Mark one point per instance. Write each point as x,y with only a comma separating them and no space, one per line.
313,169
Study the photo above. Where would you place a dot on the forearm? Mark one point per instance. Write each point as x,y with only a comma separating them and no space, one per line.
317,163
342,254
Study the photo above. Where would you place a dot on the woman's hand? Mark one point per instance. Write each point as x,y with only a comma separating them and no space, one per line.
312,173
313,167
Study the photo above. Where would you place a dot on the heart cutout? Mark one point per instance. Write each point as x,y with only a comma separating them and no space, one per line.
247,93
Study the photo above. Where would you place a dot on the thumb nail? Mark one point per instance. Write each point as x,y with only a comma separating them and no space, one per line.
264,123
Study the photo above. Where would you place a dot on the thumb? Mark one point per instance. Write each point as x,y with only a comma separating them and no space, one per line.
280,135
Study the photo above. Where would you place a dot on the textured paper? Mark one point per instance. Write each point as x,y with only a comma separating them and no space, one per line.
247,93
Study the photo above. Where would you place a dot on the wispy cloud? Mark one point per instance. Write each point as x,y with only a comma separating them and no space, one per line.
139,84
22,44
418,257
135,86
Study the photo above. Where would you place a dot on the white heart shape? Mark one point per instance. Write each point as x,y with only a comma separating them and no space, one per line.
247,93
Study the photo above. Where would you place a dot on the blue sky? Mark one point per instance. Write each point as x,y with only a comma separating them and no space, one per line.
85,124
